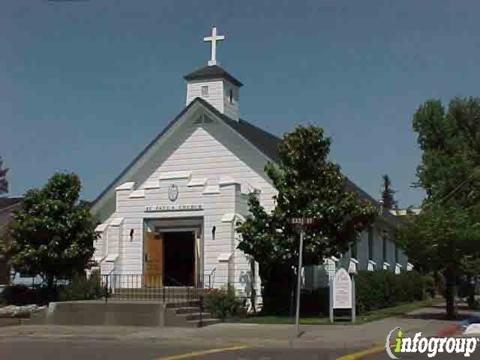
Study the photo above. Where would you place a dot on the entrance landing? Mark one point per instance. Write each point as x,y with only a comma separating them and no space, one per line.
127,313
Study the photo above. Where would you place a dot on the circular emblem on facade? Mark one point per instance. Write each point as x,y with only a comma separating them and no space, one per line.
173,192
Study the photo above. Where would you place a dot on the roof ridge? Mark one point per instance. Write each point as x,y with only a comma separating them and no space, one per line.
262,130
264,141
212,72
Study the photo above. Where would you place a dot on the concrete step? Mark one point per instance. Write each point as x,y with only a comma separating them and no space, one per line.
203,323
183,304
157,293
125,313
160,298
166,289
197,316
187,310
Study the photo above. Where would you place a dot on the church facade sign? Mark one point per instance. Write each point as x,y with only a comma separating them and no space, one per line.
342,290
168,208
342,293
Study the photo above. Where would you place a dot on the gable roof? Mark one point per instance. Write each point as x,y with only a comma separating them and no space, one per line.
262,140
7,206
212,72
6,202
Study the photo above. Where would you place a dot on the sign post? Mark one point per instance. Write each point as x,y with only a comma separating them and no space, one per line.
352,270
301,222
299,283
354,303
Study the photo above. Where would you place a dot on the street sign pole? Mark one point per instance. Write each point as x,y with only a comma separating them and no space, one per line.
299,282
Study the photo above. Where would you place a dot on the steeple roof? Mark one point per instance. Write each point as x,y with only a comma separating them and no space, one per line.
212,72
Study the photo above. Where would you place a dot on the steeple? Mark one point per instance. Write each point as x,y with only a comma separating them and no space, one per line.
213,84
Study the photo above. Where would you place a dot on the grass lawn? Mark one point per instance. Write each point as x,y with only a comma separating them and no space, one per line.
363,318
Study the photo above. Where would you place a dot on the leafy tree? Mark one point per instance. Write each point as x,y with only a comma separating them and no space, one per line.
52,234
3,178
446,235
388,198
308,185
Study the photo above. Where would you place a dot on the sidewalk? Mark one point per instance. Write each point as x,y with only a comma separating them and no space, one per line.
429,321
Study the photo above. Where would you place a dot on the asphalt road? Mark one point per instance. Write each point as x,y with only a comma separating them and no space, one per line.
28,348
383,356
54,348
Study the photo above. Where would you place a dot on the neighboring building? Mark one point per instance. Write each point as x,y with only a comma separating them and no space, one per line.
7,207
169,218
405,212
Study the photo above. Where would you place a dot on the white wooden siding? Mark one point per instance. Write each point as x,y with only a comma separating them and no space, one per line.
232,110
209,153
215,92
205,154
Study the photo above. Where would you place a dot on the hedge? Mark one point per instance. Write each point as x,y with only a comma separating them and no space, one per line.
380,289
80,288
23,295
374,290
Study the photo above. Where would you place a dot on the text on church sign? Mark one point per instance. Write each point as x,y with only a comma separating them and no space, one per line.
166,208
342,290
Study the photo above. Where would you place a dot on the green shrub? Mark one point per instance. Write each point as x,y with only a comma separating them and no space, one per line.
223,303
25,295
380,289
81,288
21,295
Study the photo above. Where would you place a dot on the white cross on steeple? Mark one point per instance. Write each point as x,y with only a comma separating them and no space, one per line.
214,38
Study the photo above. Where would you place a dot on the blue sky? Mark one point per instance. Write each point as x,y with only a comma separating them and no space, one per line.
85,85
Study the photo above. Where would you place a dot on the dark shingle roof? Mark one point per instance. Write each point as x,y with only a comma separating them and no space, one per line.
7,206
212,72
267,143
264,141
6,202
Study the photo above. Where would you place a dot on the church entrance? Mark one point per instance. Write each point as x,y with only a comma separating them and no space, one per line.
179,258
173,252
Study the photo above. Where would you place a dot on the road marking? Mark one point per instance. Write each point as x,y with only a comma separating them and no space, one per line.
200,353
360,354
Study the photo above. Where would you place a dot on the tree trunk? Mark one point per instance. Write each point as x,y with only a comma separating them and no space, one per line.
471,292
51,289
253,291
450,292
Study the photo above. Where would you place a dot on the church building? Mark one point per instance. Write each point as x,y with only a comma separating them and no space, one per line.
169,218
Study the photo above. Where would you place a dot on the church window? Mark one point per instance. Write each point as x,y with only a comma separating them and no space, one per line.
204,91
230,96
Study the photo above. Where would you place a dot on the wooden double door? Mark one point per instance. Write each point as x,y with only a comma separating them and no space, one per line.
169,258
